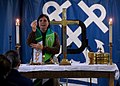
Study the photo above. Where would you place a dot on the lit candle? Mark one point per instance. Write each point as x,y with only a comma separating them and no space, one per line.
110,30
17,31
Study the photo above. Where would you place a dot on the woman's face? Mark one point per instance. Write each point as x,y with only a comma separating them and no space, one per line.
43,24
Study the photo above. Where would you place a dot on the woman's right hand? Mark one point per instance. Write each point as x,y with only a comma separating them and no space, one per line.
37,46
33,25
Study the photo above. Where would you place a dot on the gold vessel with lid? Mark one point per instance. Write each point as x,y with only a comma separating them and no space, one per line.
98,57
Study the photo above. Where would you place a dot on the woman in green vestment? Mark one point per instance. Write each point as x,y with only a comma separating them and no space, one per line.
50,46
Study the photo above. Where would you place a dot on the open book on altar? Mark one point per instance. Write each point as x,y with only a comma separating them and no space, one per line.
37,55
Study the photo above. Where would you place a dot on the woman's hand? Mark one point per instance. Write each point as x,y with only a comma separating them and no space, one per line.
33,25
37,46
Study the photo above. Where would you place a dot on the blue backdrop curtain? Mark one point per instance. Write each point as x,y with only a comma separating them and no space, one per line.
10,10
29,10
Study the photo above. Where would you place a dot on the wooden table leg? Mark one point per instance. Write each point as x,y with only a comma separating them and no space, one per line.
111,79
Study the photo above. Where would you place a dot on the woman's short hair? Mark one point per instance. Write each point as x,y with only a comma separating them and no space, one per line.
5,65
43,15
13,56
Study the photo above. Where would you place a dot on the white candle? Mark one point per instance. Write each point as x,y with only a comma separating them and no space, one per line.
110,30
17,31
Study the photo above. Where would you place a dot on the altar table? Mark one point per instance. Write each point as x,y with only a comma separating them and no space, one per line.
71,71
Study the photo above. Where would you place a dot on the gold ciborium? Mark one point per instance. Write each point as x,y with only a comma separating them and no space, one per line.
98,57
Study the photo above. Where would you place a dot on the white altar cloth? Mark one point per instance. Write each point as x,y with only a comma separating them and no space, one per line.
72,67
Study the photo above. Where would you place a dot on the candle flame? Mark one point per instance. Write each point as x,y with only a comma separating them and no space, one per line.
17,22
110,21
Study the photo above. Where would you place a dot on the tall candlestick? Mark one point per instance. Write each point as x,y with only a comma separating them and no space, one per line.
110,30
17,31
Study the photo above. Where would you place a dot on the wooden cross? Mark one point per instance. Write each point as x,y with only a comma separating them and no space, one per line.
64,24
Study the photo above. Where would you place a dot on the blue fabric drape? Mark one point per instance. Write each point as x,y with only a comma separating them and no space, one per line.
10,10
